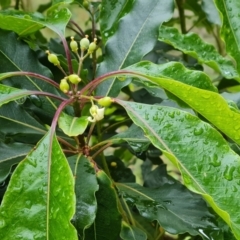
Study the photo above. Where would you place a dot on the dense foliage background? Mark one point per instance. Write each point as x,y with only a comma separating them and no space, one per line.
119,119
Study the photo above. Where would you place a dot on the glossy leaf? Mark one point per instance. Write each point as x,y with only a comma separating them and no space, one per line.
183,211
108,216
86,186
132,233
39,200
72,126
11,154
111,14
230,30
194,46
207,163
176,71
24,23
135,37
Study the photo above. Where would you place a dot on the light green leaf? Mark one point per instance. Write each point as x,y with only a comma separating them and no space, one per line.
86,186
174,70
72,126
24,23
230,30
194,46
11,154
207,163
40,201
133,39
131,232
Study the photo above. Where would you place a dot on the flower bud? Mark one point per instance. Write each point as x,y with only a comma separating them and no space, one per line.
52,58
64,86
84,43
74,78
92,46
73,45
86,4
105,102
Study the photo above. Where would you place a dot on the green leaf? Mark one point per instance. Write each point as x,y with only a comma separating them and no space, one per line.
194,46
86,186
134,38
11,154
108,216
207,163
183,211
109,22
211,11
61,2
72,126
134,136
8,94
10,62
40,201
131,232
230,30
176,71
19,125
24,23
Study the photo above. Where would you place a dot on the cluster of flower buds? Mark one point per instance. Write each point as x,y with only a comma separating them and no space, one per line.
73,78
84,45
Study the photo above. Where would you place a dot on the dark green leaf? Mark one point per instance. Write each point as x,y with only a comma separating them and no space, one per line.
24,60
11,154
132,233
111,14
134,136
108,216
86,186
207,163
194,46
135,37
18,124
39,201
176,209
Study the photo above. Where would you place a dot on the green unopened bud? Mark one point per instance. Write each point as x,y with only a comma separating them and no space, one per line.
92,46
52,58
84,43
74,78
105,102
73,45
64,86
86,4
